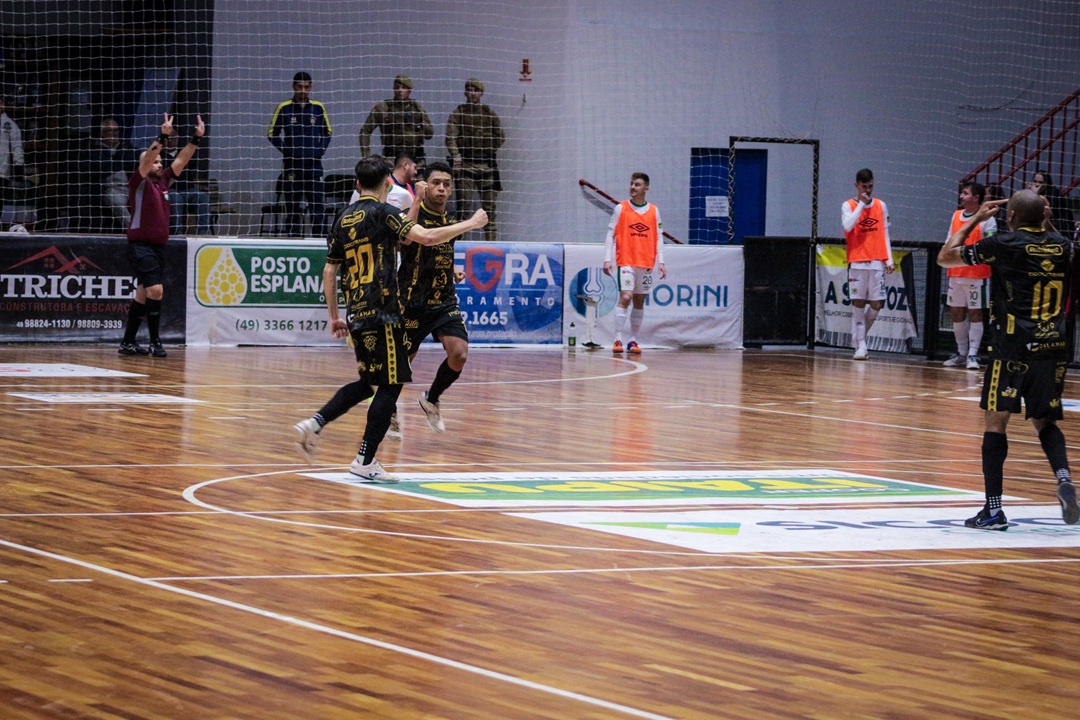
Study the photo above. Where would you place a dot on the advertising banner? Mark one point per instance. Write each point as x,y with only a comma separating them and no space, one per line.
512,292
895,324
257,293
270,293
700,303
79,289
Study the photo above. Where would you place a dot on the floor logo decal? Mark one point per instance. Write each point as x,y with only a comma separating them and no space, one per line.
826,529
58,370
645,489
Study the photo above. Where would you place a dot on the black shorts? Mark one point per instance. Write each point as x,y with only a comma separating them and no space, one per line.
149,262
436,322
382,355
1038,383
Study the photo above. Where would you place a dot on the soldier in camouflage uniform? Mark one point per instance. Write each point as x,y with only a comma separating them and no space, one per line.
403,123
474,135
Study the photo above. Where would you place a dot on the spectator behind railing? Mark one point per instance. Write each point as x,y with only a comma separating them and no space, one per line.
12,159
1042,183
185,194
112,163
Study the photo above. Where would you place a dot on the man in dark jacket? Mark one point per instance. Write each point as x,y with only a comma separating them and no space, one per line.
300,129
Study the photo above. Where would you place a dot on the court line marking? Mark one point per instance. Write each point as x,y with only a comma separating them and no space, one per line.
958,503
845,564
325,629
773,464
636,367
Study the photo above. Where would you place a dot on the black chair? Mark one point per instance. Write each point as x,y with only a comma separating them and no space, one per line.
339,188
218,207
275,211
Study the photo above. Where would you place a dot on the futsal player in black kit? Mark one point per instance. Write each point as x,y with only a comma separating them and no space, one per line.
1031,270
426,277
364,239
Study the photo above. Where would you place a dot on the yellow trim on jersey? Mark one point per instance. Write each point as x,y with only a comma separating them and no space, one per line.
273,119
326,116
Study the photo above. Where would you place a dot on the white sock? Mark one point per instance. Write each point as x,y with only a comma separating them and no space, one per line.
620,321
871,316
858,326
960,330
976,338
636,316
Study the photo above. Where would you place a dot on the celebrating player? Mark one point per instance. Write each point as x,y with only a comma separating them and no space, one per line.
364,238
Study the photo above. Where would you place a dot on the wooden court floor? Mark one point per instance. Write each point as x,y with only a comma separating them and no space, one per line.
168,559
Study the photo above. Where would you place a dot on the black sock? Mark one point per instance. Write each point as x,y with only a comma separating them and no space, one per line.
153,319
345,399
444,378
1053,444
383,405
995,448
134,320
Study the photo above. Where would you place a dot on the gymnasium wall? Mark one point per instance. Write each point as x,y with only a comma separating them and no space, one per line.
921,92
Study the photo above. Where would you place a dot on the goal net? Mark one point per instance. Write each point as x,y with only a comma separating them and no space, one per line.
920,92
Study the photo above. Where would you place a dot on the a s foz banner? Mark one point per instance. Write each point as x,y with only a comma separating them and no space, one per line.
895,324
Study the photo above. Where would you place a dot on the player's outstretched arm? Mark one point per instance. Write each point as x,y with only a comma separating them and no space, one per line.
949,255
440,235
184,156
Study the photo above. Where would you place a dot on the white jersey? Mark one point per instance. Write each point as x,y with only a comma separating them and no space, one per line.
399,196
986,227
11,147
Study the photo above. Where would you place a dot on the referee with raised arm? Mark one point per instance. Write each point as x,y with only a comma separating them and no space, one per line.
148,200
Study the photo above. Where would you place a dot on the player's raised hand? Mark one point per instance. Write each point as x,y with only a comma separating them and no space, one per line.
480,217
166,126
989,209
200,126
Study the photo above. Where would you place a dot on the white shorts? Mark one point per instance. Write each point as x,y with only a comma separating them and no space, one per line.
636,280
966,292
865,284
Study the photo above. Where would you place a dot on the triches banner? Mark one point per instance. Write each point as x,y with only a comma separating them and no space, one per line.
57,288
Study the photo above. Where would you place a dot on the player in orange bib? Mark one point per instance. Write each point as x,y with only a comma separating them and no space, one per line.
869,254
968,284
635,241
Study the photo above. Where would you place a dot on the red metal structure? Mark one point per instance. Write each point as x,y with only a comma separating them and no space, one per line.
589,186
1050,144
